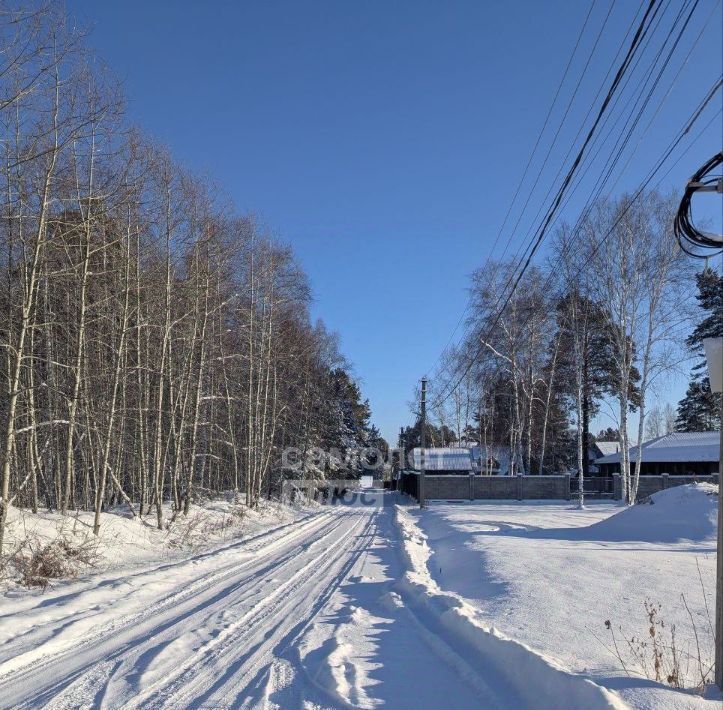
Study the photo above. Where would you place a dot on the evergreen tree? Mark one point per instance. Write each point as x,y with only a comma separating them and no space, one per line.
346,427
599,377
376,440
348,416
434,435
699,410
609,434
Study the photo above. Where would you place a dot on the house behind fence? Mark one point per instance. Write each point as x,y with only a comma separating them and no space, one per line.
690,453
671,460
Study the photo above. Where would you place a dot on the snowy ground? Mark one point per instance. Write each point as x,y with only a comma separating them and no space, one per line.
362,605
550,576
328,610
126,542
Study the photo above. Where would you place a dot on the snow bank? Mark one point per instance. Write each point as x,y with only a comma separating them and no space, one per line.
538,681
537,573
682,513
128,542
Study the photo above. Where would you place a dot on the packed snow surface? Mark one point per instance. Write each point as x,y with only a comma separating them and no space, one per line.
328,607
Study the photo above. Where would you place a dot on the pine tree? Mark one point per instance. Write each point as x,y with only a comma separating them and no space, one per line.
609,434
376,440
588,333
699,410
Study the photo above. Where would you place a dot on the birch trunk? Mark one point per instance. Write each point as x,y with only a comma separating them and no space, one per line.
29,293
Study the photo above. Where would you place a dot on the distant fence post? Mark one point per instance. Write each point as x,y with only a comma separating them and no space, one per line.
568,493
664,480
471,485
519,487
617,487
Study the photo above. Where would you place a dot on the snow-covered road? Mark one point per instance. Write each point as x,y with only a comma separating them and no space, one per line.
307,614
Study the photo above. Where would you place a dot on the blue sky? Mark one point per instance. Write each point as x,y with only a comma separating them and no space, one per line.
383,140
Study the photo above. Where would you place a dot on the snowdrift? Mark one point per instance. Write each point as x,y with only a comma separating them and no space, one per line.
535,680
682,513
127,542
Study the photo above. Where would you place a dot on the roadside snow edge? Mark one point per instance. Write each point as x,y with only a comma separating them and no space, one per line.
538,680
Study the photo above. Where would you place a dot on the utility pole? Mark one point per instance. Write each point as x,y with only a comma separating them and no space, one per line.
700,244
422,441
719,580
402,458
714,355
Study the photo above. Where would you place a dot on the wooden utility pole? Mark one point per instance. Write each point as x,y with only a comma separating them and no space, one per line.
422,441
719,578
700,244
402,458
714,356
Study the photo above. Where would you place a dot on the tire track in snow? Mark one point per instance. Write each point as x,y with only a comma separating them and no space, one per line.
197,668
253,630
247,647
79,655
60,594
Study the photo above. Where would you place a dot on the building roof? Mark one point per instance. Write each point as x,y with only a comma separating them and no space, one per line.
681,447
438,459
606,448
501,454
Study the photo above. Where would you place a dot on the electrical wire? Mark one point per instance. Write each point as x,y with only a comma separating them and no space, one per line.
621,147
641,32
673,145
654,22
533,153
690,238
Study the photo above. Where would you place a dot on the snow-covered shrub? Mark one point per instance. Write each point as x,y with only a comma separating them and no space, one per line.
38,562
195,530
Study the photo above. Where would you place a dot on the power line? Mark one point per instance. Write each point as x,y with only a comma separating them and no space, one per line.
611,163
642,30
534,151
696,114
530,235
654,23
599,136
601,182
672,146
618,51
547,284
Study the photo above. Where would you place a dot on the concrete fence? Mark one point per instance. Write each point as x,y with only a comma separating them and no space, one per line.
466,487
652,484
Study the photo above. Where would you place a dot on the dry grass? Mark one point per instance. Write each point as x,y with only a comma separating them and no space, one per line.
36,563
195,531
661,655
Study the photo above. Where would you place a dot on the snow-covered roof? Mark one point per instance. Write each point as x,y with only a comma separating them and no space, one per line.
678,446
438,459
607,447
501,454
